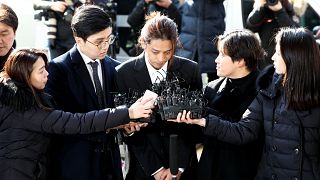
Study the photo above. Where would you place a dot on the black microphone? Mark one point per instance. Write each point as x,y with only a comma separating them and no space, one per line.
173,155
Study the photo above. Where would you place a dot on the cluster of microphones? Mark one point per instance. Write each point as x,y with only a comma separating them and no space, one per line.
171,99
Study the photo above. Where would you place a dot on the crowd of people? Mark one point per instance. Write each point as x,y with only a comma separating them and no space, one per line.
59,118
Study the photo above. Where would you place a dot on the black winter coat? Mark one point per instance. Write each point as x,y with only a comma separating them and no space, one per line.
149,147
25,129
228,99
292,138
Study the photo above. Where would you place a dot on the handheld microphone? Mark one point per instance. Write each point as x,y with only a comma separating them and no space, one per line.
173,155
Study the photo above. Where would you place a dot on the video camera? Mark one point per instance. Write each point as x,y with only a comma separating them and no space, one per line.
66,15
51,18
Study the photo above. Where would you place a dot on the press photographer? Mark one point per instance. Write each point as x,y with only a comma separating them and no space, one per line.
57,15
136,18
266,18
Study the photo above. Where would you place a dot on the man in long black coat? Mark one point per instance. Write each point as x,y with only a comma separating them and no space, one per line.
71,83
149,148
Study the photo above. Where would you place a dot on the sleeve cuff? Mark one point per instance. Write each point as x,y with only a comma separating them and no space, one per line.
157,171
181,170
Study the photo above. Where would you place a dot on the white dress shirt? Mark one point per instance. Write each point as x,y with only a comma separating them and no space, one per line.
156,75
87,61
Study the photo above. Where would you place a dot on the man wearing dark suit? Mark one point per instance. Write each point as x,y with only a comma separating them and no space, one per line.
79,86
149,147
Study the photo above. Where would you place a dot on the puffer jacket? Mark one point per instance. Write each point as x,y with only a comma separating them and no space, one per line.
292,138
202,21
25,130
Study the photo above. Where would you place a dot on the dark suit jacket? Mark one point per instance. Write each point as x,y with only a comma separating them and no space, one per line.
88,156
150,147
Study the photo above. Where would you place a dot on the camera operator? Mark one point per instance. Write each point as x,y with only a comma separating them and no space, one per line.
58,15
136,18
266,18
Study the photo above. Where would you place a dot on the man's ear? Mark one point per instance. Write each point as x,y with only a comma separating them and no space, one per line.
78,40
241,62
142,43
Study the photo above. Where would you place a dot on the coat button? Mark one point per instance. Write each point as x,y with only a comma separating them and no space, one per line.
295,178
273,177
274,148
296,150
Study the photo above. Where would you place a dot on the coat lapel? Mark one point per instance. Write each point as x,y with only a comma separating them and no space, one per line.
82,73
173,68
108,70
141,70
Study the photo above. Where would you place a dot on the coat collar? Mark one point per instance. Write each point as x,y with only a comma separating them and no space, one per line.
81,71
20,97
269,83
79,66
141,70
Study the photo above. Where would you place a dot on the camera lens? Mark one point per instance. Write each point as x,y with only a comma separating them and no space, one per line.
272,2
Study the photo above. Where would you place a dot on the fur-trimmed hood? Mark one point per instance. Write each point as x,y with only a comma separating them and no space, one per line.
19,97
268,82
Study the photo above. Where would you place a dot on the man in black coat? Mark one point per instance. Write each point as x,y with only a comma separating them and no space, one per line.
149,148
228,97
77,87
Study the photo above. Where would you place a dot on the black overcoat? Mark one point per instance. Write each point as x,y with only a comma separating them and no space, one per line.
149,148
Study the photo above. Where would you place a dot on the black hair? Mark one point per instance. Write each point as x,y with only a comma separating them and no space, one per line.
88,20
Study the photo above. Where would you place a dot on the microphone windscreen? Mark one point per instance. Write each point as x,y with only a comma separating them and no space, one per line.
173,154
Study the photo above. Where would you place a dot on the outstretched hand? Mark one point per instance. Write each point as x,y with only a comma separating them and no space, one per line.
141,108
184,117
133,127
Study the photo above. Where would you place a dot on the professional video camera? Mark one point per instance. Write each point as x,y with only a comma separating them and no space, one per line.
172,99
66,15
51,17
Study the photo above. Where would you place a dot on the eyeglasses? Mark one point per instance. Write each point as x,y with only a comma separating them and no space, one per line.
104,44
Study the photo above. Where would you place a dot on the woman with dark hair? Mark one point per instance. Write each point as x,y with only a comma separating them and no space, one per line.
286,109
27,117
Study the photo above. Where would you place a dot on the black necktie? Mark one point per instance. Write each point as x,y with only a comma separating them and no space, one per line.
97,83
